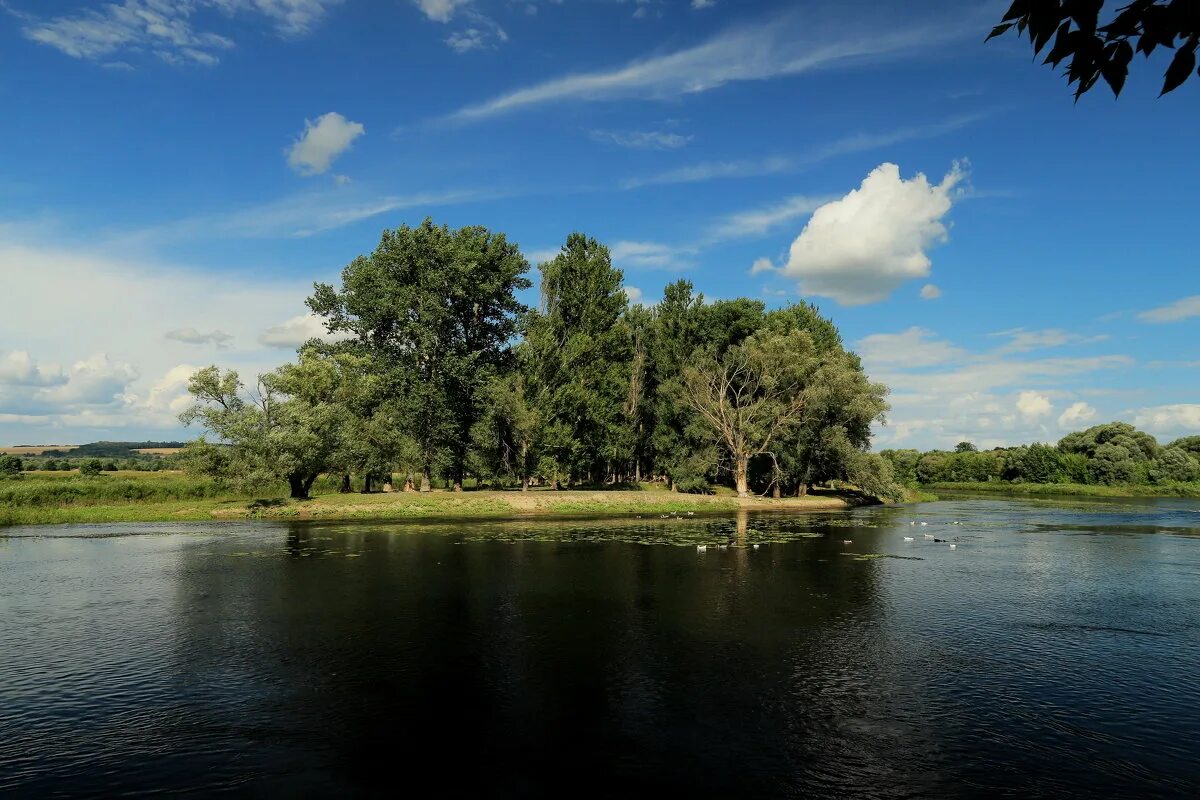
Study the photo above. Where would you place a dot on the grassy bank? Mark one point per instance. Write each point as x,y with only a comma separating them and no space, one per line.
157,497
1074,489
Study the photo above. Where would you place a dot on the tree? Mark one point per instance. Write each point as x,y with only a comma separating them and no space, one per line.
91,467
1093,50
578,356
965,447
1188,443
753,394
272,434
436,310
1176,464
10,466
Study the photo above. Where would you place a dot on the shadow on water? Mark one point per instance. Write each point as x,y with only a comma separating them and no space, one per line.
605,657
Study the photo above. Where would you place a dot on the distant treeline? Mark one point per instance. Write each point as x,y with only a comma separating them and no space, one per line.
1112,454
126,450
440,371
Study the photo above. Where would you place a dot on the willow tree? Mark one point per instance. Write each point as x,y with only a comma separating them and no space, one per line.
436,310
753,395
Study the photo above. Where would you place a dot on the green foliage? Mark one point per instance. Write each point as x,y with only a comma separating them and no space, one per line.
1175,464
1094,50
91,467
10,467
965,447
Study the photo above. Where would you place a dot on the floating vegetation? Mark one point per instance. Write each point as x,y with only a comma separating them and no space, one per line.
873,556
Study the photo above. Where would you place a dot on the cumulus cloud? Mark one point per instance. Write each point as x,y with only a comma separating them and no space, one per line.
634,294
1033,405
313,153
930,292
858,249
641,140
1076,415
193,336
17,368
761,265
1181,309
1179,419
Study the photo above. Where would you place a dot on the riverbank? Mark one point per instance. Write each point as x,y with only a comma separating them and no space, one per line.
158,506
1190,490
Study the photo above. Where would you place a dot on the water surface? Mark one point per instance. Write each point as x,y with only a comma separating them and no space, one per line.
1054,652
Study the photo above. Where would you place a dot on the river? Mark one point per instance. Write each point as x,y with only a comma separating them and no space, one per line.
1053,652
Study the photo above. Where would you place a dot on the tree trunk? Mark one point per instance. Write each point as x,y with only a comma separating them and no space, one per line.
296,487
409,485
775,491
740,475
425,485
367,483
524,483
637,472
345,484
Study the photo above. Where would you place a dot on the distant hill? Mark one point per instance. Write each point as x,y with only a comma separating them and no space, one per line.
97,450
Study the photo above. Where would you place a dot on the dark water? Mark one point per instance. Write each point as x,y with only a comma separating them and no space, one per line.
1054,653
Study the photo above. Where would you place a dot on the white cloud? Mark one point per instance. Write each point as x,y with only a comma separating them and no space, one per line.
860,248
114,364
193,336
1181,309
1021,340
465,41
1033,405
1076,416
296,331
17,368
440,10
775,165
699,4
1179,419
642,140
943,393
915,347
762,220
322,141
634,294
649,255
930,292
163,28
761,265
783,46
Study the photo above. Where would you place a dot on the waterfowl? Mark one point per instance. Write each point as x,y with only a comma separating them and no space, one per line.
929,536
923,524
700,548
847,541
908,538
953,546
754,546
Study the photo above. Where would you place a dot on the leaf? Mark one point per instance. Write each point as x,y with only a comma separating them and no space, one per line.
1064,45
1181,67
1019,8
998,30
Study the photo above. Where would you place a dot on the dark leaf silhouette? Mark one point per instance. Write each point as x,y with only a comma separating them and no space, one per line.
1091,50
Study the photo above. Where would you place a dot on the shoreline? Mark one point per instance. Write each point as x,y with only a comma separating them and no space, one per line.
411,506
1178,491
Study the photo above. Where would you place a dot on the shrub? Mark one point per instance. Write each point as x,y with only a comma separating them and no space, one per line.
91,467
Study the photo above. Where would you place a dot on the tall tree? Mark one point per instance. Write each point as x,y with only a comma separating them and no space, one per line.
436,308
578,356
753,395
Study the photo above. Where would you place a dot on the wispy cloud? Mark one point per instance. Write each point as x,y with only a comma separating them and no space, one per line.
776,48
766,218
642,140
1181,309
165,28
775,165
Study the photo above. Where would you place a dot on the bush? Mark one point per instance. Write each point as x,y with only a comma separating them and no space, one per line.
1175,464
10,466
91,467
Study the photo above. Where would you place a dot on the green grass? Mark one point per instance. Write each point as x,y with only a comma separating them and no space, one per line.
55,498
1075,489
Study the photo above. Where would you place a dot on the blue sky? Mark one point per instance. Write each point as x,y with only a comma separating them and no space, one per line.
175,175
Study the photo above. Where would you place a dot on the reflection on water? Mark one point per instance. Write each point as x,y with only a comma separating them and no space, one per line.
1052,653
